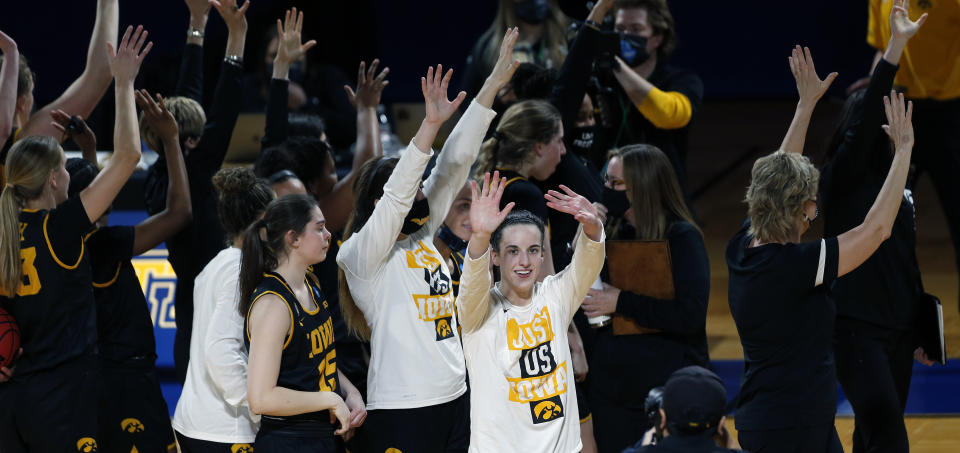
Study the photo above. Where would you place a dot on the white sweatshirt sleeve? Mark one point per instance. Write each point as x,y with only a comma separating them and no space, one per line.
570,286
454,161
224,351
473,299
365,251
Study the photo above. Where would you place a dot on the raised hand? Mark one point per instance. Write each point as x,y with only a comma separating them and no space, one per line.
809,85
125,60
233,15
369,86
160,120
434,88
577,206
76,128
901,27
7,44
899,125
289,35
505,66
485,212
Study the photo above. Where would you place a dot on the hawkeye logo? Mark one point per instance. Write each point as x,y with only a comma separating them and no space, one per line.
131,425
86,445
438,306
542,380
241,448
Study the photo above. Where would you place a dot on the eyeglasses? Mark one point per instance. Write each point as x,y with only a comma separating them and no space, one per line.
611,181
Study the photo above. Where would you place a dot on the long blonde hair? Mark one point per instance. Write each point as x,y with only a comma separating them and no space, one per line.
553,39
524,124
27,172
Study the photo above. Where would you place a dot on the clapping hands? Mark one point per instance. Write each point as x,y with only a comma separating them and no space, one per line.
809,85
369,86
434,88
125,60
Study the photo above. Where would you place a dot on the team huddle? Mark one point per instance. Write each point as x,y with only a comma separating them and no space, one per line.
427,302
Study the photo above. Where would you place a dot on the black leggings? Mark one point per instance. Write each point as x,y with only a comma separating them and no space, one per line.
874,367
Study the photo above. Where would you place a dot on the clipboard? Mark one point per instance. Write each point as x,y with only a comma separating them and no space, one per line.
930,328
642,267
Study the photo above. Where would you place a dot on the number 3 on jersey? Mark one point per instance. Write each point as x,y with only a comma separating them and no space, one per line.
30,282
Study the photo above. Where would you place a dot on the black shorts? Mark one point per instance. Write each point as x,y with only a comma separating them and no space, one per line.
301,437
133,412
441,428
51,410
191,445
583,407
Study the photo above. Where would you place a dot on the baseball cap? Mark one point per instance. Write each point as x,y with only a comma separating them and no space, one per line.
694,398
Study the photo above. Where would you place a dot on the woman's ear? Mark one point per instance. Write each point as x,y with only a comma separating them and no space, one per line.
538,148
292,239
494,256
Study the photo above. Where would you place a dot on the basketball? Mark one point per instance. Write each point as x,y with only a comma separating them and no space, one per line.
9,339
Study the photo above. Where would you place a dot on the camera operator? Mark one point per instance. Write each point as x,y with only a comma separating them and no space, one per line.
690,415
646,100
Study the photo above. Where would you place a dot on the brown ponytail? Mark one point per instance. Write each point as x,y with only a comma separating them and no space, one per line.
27,172
524,125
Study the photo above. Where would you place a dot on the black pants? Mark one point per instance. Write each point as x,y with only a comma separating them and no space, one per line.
874,367
191,445
132,410
183,302
810,439
443,428
294,437
937,152
52,410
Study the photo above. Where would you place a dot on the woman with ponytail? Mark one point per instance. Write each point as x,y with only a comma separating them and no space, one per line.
396,288
213,413
292,378
45,278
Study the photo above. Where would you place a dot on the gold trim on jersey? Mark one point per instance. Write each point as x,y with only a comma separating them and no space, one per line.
287,304
311,313
111,281
53,253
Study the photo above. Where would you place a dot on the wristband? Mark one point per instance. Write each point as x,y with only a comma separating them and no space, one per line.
194,33
236,60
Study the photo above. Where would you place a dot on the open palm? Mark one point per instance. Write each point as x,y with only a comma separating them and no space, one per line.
485,213
900,24
289,34
809,85
434,88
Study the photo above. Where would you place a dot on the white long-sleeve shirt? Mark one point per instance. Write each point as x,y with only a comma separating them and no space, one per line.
213,405
403,287
522,395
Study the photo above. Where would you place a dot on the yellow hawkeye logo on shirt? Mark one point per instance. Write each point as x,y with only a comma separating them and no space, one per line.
542,381
437,307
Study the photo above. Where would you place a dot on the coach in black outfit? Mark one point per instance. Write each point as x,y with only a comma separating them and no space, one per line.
194,246
876,303
778,283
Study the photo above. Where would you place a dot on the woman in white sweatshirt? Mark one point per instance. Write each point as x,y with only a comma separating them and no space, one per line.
395,288
515,333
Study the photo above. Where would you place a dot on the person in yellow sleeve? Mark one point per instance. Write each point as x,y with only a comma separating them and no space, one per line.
655,102
930,76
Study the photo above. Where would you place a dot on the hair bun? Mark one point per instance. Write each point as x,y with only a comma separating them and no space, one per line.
234,180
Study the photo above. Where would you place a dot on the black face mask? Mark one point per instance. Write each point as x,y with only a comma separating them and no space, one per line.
633,49
616,202
417,217
582,140
532,11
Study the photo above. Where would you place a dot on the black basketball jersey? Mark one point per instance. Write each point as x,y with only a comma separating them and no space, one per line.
54,305
124,326
309,359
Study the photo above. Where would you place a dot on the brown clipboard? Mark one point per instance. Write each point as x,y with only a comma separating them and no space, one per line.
641,267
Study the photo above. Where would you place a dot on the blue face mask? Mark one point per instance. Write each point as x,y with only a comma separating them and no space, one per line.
633,49
532,11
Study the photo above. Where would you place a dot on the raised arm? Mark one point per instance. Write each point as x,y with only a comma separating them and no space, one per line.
269,321
178,212
574,281
190,79
857,148
339,202
485,216
362,254
859,243
810,88
83,95
124,65
574,74
462,146
8,84
290,49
